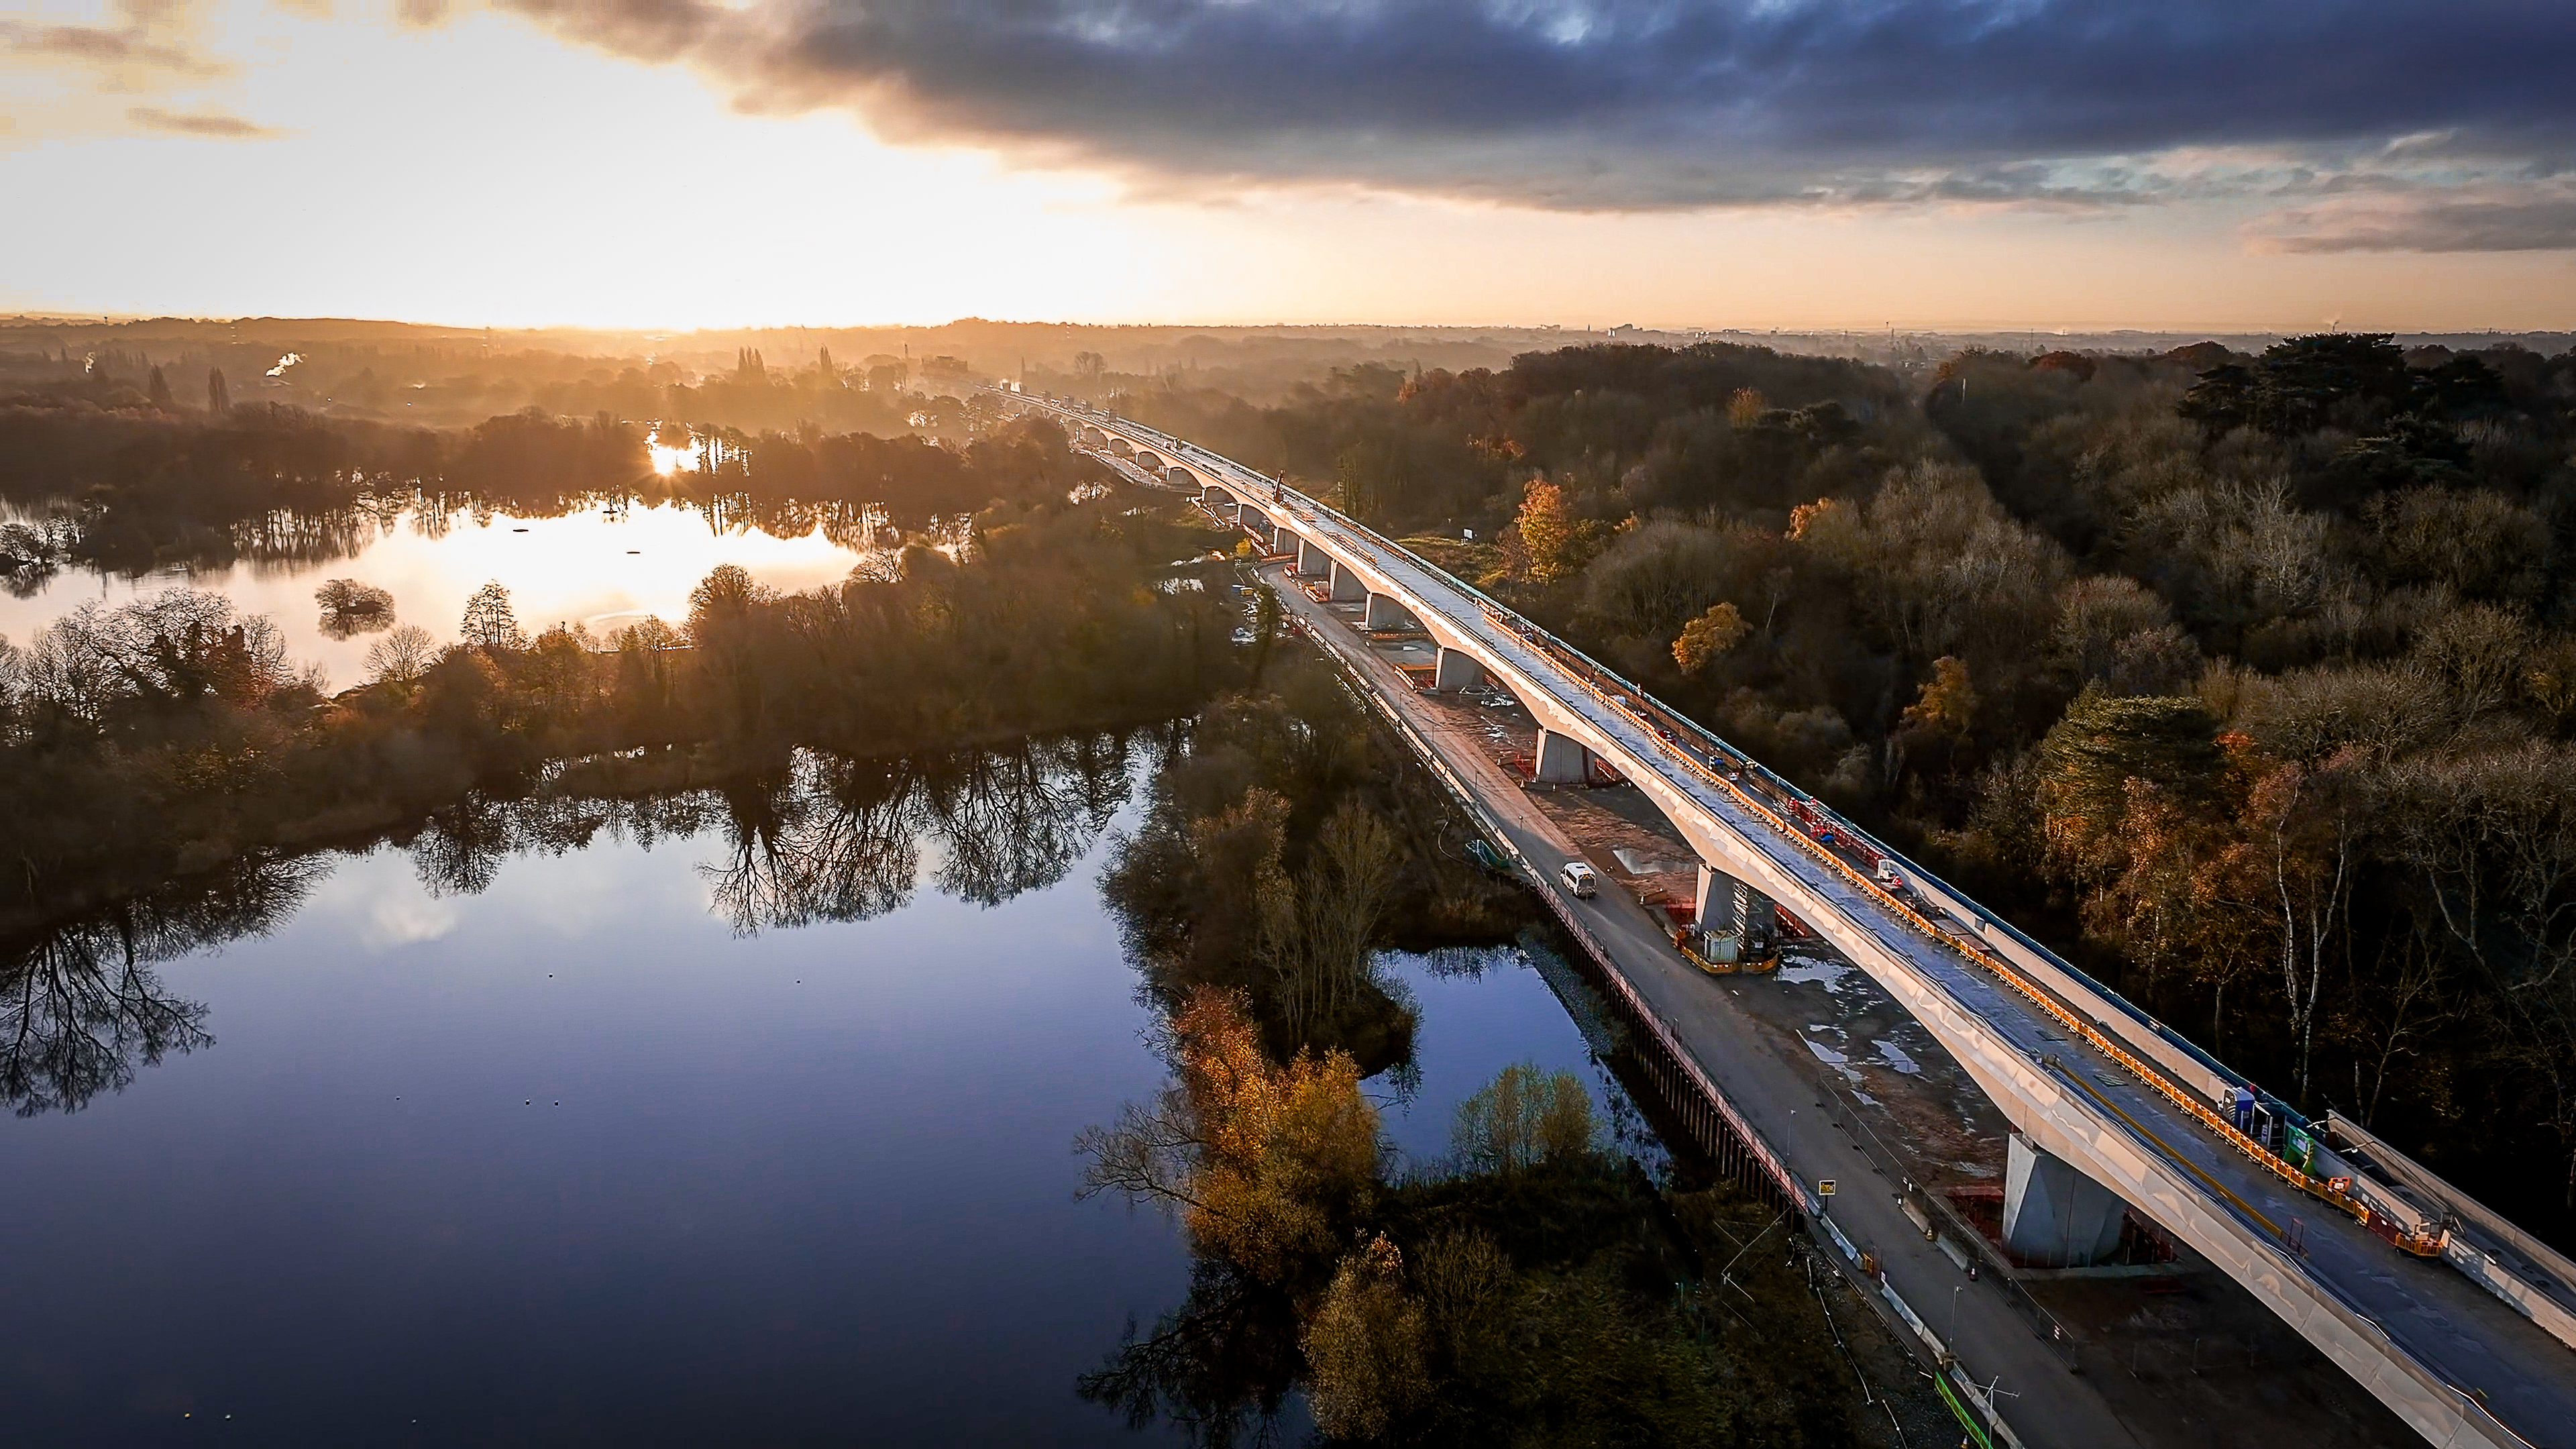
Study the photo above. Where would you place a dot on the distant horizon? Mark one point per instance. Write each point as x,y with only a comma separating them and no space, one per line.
2035,331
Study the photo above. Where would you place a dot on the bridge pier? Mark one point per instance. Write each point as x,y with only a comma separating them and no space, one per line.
1210,495
1347,587
1384,613
1730,907
1562,759
1457,669
1312,560
2055,1216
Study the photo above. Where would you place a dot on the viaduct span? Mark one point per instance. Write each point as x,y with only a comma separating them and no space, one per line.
2109,1106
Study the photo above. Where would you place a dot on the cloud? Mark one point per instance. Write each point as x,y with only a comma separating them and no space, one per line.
153,118
2483,217
93,45
394,921
1642,104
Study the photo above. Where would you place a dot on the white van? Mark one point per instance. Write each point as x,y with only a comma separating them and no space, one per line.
1579,878
1888,878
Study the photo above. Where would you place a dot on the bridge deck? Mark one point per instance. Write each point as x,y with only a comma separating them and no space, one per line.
2443,1321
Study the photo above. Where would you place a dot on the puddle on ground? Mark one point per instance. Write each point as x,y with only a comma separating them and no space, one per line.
1809,971
1834,1059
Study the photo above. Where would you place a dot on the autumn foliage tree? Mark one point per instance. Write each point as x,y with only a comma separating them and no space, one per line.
1269,1165
1548,529
1706,637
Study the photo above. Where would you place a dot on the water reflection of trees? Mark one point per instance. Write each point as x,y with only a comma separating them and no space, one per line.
283,541
81,1007
1218,1368
459,849
841,839
829,838
826,838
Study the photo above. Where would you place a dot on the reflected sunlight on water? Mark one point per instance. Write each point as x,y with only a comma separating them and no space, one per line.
670,458
601,567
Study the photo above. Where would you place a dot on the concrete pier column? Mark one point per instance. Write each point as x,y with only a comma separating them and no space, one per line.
1730,907
1562,759
1211,495
1312,560
2055,1216
1384,613
1347,588
1264,532
1457,669
1716,902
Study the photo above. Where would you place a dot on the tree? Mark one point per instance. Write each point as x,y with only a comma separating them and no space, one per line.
2476,649
1947,704
1366,1347
402,656
2095,614
1655,575
158,389
725,594
2222,401
351,608
1269,1166
2088,759
489,622
1713,633
1547,529
219,399
2294,869
2303,378
1317,932
1089,366
1522,1118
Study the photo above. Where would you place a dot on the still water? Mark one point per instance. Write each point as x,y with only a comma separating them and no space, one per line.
578,1147
603,566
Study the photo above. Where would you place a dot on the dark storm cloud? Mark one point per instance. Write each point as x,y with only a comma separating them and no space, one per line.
1619,105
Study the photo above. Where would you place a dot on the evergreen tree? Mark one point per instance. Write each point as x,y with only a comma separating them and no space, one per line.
158,389
219,400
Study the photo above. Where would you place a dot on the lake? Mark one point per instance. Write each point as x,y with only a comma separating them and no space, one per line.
644,1128
604,566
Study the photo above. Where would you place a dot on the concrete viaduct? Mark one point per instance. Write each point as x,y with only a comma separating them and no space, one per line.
2110,1108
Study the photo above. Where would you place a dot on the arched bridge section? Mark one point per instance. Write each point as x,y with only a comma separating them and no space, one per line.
2089,1083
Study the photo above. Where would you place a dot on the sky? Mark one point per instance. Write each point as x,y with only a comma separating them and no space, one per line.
2081,164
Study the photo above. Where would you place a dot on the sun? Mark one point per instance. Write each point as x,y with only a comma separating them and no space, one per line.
670,458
